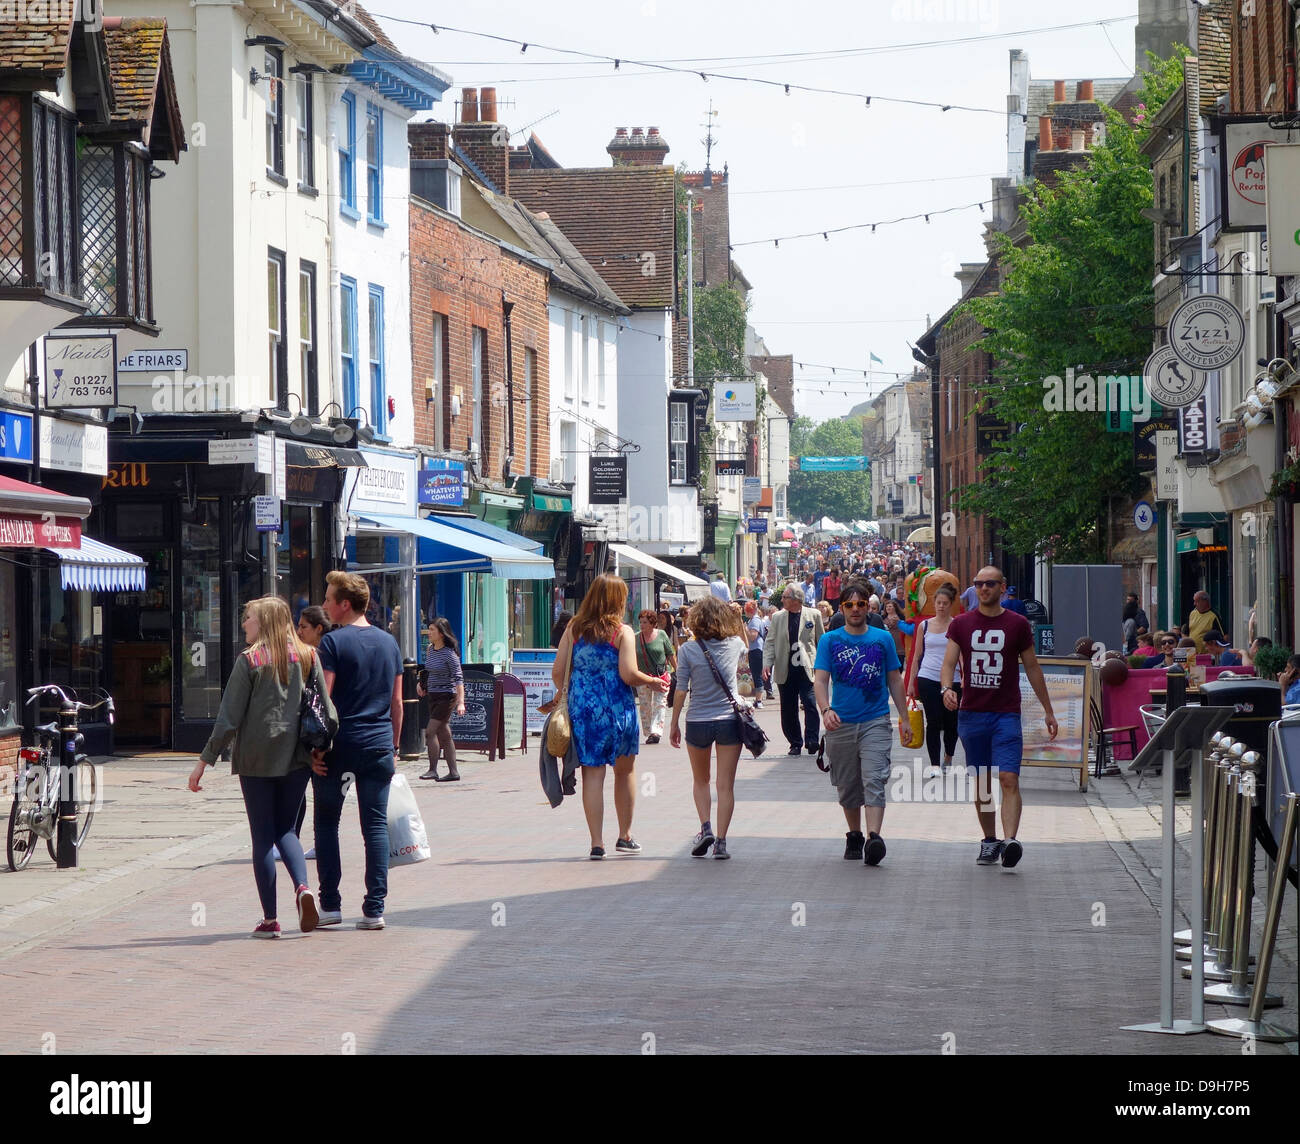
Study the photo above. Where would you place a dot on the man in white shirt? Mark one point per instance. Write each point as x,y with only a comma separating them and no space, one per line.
718,587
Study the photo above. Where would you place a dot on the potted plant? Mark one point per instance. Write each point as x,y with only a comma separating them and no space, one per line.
1271,660
1286,482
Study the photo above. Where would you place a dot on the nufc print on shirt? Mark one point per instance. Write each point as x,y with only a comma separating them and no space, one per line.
990,649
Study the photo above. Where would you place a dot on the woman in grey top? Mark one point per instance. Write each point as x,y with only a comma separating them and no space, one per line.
260,712
712,718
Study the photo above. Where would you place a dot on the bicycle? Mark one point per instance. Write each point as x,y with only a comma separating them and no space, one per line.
39,780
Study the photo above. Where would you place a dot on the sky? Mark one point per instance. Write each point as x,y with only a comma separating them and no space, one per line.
797,162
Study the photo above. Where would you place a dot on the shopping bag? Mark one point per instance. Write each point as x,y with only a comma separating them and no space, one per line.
407,840
913,735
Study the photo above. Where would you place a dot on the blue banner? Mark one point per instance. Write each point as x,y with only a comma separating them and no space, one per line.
442,482
832,464
15,436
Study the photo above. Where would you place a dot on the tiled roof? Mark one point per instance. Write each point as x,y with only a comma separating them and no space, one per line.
1214,51
371,25
35,47
618,217
139,64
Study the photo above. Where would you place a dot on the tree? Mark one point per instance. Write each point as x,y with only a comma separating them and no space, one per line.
844,496
1076,294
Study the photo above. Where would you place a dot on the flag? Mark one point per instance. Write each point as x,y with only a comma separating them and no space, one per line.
876,359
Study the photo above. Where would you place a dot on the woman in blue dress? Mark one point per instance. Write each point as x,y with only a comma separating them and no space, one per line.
602,705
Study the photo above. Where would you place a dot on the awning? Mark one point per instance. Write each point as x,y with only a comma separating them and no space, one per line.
456,550
99,567
491,531
323,457
19,496
922,535
544,503
636,556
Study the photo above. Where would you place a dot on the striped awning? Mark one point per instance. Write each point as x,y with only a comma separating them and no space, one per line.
99,567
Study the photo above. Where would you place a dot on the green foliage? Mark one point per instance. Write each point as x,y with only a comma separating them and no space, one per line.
1076,294
721,313
1271,660
843,496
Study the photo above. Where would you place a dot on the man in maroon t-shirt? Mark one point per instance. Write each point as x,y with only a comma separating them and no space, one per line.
992,643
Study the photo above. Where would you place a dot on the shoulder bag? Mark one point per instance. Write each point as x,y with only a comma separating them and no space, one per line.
559,731
316,729
751,734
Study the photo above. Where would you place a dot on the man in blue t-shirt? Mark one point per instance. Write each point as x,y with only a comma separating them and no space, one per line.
363,672
857,663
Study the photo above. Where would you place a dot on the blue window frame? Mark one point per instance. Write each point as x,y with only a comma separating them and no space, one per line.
348,156
378,387
374,163
348,339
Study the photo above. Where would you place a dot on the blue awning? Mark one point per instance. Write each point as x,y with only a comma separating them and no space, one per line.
99,567
457,550
491,531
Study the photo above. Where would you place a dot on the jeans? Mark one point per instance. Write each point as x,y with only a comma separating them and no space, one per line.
370,772
939,721
798,689
272,806
756,673
653,710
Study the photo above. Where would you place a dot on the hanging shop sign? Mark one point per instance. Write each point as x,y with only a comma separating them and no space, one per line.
1206,332
1283,208
442,482
832,464
752,492
1144,441
1170,380
757,524
736,401
15,436
74,447
1243,175
729,467
608,478
81,372
1195,429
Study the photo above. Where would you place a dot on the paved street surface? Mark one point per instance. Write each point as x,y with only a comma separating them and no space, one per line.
510,940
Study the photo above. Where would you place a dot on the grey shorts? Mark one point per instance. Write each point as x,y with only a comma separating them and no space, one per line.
859,757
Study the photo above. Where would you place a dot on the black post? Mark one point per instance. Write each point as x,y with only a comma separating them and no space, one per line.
412,727
66,845
33,658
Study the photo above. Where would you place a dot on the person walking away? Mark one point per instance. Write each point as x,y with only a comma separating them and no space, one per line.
718,586
711,718
991,643
788,654
1201,621
853,668
259,711
363,672
655,655
602,705
444,683
313,623
940,722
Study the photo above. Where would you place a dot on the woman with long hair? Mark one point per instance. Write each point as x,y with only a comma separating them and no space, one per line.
892,615
259,711
655,655
444,683
940,723
602,705
719,635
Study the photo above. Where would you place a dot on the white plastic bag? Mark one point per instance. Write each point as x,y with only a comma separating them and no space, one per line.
407,840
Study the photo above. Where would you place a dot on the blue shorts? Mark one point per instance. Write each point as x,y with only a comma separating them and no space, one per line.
991,739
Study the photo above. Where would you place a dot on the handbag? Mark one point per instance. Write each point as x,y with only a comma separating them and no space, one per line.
752,735
912,735
559,731
316,729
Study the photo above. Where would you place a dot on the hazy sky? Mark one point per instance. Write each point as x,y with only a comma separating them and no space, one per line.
802,161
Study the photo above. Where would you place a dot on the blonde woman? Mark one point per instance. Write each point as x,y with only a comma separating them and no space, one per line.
259,711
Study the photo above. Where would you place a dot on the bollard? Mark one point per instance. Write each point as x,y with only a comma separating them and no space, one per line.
1222,780
1219,743
1236,991
66,832
1253,1024
412,739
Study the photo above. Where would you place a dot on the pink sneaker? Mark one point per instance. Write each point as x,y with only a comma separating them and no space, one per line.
266,929
308,915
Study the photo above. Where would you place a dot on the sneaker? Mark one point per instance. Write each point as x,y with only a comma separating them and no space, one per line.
308,915
720,848
628,846
652,739
371,923
758,705
990,852
266,929
875,850
1011,852
597,853
794,751
854,841
701,843
328,918
310,855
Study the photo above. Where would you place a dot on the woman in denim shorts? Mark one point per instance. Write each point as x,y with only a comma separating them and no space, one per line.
711,719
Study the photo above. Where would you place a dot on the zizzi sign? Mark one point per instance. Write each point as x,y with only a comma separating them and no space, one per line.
81,373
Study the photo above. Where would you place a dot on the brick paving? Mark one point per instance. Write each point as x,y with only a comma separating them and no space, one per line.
657,950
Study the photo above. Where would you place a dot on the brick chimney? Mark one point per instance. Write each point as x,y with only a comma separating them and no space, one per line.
1058,91
638,149
484,140
428,140
1083,91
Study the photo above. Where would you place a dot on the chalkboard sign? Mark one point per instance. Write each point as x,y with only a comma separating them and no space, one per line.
512,701
473,731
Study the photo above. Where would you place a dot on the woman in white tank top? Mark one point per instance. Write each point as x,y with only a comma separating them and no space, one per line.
939,721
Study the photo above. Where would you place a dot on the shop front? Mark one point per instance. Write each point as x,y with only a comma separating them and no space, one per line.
646,575
547,518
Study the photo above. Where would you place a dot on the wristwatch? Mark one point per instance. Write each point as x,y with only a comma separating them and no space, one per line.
944,690
824,710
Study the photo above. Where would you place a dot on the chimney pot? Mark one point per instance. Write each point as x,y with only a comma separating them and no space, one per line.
1084,91
621,133
1058,91
652,132
488,105
469,105
1044,133
637,133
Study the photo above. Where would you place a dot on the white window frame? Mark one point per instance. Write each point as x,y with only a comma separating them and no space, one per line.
678,447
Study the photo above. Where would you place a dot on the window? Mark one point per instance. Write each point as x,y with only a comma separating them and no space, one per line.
378,390
115,232
584,332
278,370
348,156
480,424
442,399
307,337
274,68
678,441
570,364
569,450
374,164
348,340
306,152
531,449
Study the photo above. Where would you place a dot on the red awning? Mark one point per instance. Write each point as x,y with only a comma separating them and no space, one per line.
35,517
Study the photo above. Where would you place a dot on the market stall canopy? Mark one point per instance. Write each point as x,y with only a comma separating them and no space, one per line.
922,535
828,525
456,550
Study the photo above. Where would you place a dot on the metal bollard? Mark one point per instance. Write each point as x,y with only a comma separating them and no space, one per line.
1236,991
1218,746
1221,782
65,844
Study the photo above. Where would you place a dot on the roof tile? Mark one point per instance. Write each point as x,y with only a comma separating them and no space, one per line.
37,46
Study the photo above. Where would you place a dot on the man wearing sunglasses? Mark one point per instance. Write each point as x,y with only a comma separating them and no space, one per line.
1165,657
857,663
992,643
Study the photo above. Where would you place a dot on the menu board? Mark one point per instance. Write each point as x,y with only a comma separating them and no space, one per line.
473,730
1070,683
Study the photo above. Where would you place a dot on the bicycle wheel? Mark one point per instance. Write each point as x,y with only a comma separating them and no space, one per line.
86,794
21,841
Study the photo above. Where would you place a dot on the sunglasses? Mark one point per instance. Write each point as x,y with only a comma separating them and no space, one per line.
987,583
854,604
1166,643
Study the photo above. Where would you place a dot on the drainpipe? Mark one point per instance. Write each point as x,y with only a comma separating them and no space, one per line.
509,450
